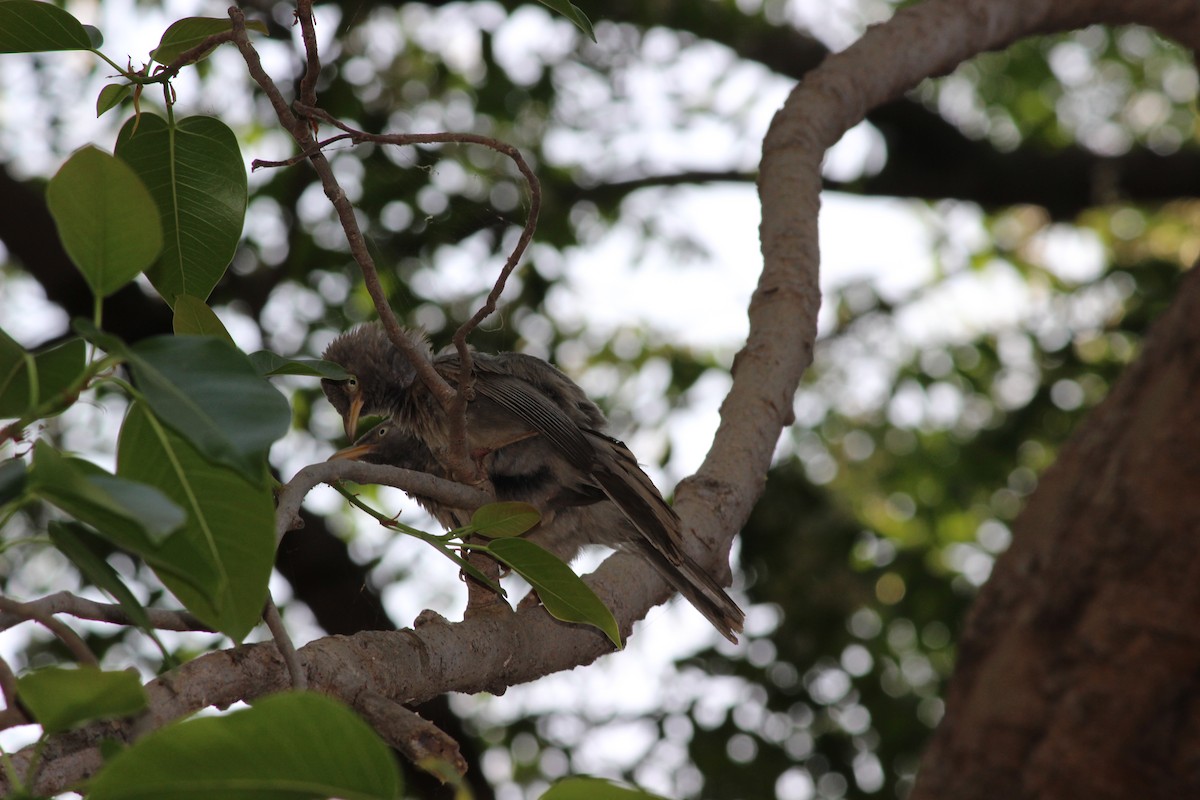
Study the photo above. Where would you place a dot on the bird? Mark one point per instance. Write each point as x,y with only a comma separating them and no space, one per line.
536,436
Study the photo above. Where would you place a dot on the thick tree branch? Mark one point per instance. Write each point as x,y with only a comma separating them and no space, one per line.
405,667
1076,674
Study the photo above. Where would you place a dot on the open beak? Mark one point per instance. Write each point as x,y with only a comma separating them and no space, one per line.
352,453
351,419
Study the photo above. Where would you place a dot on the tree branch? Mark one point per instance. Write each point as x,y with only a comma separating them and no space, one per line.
407,667
82,608
78,647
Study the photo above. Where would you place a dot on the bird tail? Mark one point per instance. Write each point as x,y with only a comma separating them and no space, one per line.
701,590
661,539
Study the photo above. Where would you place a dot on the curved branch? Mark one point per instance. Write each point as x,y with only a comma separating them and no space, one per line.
82,608
878,68
72,640
292,494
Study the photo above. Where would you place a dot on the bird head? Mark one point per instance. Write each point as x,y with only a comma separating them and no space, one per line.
387,444
380,375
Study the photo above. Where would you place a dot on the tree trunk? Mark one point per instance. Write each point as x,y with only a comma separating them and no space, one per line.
1079,665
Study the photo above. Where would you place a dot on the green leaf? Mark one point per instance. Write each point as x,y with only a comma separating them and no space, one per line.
230,529
193,317
110,504
94,36
106,218
86,549
111,96
207,390
562,592
571,12
186,33
195,172
503,520
63,482
27,26
268,363
12,480
14,378
61,699
301,745
588,788
58,369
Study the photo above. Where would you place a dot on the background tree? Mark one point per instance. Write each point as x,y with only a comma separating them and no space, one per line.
916,444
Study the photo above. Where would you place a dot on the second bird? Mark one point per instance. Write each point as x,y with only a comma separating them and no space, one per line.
539,439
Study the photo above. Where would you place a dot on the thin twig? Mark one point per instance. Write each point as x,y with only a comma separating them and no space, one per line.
283,641
194,54
63,632
312,68
261,163
302,133
290,495
455,405
83,608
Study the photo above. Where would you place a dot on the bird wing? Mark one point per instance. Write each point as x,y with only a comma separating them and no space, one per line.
523,396
627,485
602,458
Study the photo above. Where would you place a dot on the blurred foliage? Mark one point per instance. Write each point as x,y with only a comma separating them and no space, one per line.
912,454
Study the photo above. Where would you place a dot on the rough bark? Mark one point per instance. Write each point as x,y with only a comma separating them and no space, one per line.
1079,668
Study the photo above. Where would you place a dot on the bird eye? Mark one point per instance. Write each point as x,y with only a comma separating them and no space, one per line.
352,383
381,431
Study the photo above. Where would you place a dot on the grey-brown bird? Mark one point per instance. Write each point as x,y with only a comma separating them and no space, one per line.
538,438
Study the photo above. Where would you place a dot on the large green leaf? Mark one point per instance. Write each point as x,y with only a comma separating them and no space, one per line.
87,551
80,488
230,524
27,26
208,391
106,218
561,591
60,699
12,479
58,368
193,317
503,520
301,745
128,512
186,33
195,172
268,363
14,378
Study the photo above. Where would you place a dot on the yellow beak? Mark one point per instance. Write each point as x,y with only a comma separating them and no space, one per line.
353,452
351,420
